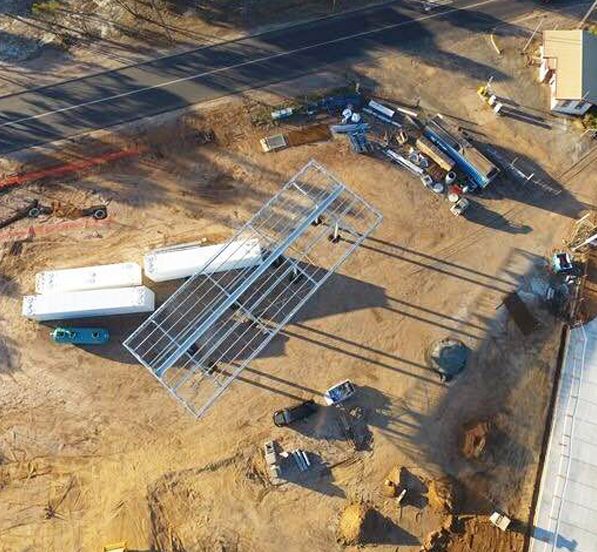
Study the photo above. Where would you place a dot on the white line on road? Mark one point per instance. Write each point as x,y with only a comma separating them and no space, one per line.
243,64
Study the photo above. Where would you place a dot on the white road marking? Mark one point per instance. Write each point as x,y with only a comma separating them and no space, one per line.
243,64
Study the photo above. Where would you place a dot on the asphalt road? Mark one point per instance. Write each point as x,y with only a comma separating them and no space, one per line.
106,99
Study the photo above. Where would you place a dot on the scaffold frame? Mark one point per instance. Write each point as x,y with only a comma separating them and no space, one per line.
199,341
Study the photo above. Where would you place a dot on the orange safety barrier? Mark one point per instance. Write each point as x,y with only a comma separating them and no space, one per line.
67,168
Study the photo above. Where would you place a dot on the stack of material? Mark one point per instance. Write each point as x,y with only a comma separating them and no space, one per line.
89,291
357,134
185,260
359,142
81,304
92,277
382,113
432,151
403,161
350,128
301,459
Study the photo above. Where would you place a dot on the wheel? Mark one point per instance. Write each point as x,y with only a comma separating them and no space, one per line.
34,212
100,214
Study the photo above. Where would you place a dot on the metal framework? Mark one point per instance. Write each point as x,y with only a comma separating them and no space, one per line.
210,329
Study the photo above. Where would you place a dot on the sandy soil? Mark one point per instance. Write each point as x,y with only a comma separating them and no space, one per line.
93,450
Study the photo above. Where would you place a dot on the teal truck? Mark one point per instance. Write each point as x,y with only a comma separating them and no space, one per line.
80,336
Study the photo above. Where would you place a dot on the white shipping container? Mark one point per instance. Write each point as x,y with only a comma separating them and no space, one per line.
89,277
81,304
186,260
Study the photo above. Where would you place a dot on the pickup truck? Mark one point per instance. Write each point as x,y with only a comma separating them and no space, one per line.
292,414
339,392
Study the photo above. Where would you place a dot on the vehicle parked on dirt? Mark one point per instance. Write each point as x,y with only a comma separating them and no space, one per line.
339,392
292,414
80,336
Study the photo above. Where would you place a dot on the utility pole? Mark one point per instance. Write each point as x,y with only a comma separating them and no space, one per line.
533,35
587,15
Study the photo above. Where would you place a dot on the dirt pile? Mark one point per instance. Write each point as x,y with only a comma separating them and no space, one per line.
475,438
437,541
352,523
444,495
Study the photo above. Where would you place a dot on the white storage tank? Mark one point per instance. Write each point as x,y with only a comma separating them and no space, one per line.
89,277
81,304
185,260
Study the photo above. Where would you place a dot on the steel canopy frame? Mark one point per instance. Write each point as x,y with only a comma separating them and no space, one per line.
197,343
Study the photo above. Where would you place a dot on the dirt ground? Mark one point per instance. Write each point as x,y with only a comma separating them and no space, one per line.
92,448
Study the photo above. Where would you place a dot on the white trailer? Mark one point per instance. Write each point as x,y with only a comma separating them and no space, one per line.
82,304
89,277
185,260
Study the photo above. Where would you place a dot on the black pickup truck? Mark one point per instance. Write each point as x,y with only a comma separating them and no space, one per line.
291,414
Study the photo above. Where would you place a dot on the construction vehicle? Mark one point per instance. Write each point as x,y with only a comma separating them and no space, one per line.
80,336
339,392
292,414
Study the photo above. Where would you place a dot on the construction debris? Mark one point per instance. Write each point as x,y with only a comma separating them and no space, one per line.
444,495
474,439
436,541
584,234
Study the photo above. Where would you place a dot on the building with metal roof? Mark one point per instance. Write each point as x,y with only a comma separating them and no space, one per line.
569,66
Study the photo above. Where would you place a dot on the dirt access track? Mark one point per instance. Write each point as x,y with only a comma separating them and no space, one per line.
93,450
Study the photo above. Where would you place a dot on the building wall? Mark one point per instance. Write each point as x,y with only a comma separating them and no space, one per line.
544,70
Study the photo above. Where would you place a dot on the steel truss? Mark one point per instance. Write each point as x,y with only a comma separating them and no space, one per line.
213,326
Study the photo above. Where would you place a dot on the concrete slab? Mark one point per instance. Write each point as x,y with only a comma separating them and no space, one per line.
566,517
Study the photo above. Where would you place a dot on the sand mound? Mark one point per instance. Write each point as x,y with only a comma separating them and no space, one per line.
437,541
352,526
474,439
444,495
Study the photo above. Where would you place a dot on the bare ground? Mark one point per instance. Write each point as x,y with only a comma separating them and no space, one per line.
93,450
